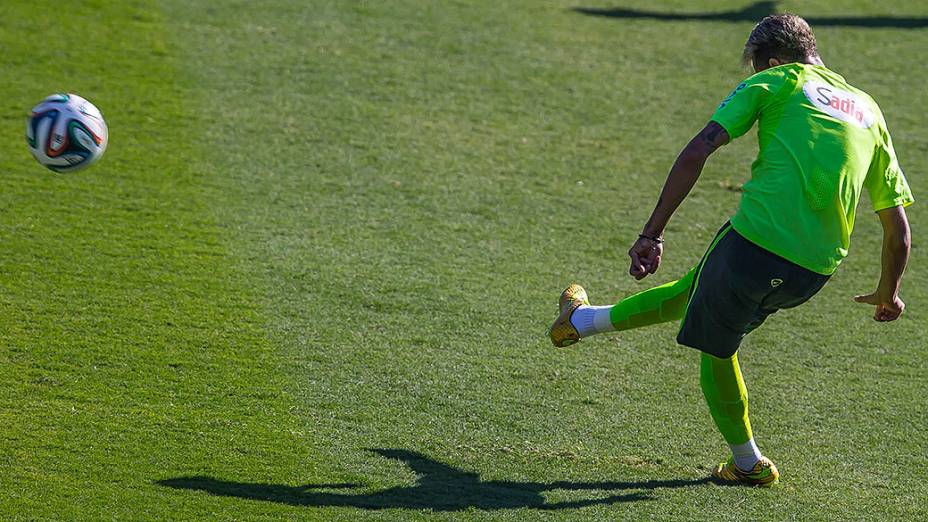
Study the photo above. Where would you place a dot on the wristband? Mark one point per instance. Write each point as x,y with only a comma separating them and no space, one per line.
657,240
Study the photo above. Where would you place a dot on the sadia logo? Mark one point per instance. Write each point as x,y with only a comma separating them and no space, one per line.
841,104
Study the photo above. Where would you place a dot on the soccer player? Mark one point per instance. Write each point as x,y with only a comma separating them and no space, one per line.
822,141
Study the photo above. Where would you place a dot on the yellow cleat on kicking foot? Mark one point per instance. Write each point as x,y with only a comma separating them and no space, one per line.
562,332
764,474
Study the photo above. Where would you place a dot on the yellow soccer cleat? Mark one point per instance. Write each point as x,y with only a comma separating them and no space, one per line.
764,474
562,332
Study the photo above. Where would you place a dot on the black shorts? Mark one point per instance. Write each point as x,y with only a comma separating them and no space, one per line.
736,286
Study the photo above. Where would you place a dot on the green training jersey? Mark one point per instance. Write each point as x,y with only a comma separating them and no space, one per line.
822,142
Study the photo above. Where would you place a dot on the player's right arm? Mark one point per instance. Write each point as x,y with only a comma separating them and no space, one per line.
897,241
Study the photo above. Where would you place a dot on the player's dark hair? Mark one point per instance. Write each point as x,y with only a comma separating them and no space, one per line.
786,37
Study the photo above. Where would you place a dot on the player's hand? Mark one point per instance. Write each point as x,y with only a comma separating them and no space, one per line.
888,305
646,257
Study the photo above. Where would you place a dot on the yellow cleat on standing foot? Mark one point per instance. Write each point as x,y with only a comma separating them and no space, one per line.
562,332
764,474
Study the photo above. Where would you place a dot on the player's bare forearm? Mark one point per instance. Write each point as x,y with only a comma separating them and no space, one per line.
897,240
646,253
895,255
683,175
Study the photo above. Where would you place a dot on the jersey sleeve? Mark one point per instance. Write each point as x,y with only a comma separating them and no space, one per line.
738,112
885,182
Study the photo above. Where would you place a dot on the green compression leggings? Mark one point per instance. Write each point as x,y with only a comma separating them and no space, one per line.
720,379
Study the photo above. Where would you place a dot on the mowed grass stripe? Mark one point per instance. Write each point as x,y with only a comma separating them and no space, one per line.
132,347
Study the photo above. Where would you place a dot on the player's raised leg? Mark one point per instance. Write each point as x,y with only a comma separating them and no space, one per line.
578,319
660,304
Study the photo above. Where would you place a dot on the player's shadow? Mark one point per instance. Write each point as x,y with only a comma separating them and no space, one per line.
755,12
439,487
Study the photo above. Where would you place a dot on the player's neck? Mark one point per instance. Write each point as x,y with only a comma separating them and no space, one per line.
813,60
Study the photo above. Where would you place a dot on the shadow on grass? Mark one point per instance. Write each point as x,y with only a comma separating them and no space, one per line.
755,12
439,488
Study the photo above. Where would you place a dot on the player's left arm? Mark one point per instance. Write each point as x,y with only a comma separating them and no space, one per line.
646,253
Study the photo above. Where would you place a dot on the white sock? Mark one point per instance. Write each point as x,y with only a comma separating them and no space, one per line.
746,455
589,320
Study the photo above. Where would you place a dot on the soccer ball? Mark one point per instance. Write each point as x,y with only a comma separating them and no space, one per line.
66,133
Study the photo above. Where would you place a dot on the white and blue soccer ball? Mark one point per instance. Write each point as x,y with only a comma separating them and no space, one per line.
66,133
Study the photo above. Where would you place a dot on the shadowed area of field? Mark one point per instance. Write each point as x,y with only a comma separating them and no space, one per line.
439,487
755,12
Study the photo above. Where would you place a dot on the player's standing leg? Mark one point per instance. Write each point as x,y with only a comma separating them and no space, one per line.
727,397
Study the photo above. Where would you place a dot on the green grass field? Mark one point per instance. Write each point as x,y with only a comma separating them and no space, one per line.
311,277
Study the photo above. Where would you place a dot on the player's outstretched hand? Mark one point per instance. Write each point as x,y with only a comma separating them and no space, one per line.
888,308
646,257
